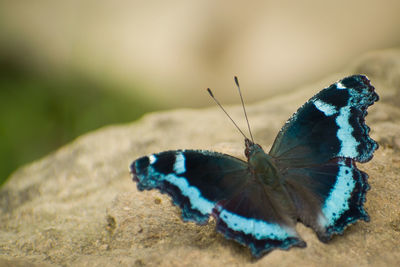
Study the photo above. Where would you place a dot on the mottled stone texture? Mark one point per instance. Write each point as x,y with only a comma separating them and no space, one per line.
78,205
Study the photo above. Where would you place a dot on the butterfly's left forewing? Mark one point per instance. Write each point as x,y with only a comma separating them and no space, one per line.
195,179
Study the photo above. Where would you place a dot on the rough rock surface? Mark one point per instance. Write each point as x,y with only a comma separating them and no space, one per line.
78,206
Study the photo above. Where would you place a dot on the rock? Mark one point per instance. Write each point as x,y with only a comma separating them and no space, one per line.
78,206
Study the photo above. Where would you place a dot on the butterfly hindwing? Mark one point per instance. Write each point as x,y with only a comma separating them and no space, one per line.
195,179
254,218
331,124
328,197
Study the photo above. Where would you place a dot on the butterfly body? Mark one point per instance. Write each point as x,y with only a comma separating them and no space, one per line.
309,175
261,165
265,174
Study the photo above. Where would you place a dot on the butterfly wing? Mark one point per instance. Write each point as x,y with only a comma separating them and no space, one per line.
331,124
254,217
204,182
316,152
196,180
329,196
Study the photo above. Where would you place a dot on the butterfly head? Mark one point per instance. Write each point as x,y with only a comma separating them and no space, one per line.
251,148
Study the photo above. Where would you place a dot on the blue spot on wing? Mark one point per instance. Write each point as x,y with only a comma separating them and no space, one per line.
259,246
254,219
196,199
351,207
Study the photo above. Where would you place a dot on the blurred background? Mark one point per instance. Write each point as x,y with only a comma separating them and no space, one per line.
69,67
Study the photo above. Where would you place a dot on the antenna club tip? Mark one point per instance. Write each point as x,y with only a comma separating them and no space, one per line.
209,91
236,80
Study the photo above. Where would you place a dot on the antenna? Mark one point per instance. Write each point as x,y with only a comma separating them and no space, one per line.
244,109
216,101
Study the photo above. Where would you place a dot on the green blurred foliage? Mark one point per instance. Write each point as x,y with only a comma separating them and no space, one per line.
40,113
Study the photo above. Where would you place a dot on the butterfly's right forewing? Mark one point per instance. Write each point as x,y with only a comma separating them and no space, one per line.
331,124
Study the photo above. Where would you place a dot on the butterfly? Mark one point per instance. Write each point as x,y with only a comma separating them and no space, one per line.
308,176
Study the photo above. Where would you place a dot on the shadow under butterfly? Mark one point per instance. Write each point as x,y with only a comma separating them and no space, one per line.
309,175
